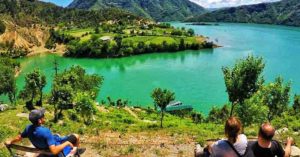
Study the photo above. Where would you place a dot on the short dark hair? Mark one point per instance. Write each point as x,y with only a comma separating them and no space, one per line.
264,133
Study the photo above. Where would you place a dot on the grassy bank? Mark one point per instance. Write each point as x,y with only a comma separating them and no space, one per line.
125,131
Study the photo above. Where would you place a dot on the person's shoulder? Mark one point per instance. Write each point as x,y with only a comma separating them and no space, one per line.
243,136
219,143
275,144
43,129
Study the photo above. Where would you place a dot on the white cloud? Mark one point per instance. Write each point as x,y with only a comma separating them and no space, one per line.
227,3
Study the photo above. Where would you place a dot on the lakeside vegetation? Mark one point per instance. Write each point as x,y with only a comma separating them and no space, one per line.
71,105
117,39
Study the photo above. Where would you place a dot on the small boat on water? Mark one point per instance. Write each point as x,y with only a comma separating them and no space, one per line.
177,106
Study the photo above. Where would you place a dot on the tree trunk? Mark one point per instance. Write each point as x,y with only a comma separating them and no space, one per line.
55,114
40,102
232,108
161,119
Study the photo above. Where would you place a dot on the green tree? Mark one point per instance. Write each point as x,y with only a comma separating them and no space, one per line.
2,27
253,111
85,106
97,30
243,79
191,32
162,98
78,80
296,104
218,115
61,98
34,84
276,96
8,82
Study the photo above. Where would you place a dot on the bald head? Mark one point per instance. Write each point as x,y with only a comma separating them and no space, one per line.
266,131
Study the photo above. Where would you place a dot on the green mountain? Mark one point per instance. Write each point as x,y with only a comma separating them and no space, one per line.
24,24
27,12
285,12
159,10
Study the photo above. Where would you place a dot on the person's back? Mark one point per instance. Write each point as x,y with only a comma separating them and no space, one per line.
41,137
257,151
236,143
223,149
265,146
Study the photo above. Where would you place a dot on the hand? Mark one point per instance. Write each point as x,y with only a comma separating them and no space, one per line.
70,144
289,140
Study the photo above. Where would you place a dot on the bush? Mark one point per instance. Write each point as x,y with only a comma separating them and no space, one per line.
2,27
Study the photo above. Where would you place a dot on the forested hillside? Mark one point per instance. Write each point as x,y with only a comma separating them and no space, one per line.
159,10
26,12
285,12
24,25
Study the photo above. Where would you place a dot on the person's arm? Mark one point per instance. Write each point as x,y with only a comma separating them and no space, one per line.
287,150
15,140
59,148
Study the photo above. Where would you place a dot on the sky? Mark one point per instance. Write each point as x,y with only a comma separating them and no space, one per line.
204,3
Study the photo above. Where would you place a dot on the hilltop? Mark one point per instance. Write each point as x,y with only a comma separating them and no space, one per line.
25,24
159,10
285,12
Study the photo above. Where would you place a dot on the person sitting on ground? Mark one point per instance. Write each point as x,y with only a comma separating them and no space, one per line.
236,143
265,146
42,138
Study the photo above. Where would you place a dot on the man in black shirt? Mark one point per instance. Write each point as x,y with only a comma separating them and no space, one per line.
265,146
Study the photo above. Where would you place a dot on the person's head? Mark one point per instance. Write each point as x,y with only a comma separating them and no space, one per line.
37,117
266,132
233,128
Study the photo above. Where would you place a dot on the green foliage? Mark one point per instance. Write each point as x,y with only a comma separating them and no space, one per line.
85,106
296,104
34,84
276,97
167,10
2,27
243,79
61,98
161,99
218,115
252,111
26,13
282,12
77,78
68,84
7,78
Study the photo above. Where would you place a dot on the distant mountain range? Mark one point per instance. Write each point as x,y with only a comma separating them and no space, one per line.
285,12
159,10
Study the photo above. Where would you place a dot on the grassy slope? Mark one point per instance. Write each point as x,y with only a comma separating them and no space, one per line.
138,126
157,39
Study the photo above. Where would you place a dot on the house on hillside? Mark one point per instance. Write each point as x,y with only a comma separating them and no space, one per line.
106,38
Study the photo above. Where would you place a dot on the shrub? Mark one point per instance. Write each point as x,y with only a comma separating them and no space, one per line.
2,27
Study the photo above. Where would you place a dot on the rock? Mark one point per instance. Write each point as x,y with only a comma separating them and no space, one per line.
296,133
3,107
281,131
295,151
23,115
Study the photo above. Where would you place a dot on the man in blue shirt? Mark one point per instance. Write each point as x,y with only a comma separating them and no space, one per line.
42,138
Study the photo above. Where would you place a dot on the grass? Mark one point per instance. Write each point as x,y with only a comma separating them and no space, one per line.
79,32
119,120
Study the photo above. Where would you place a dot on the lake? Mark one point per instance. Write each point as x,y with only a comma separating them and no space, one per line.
195,76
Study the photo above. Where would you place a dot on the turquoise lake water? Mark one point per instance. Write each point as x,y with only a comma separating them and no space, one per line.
195,76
